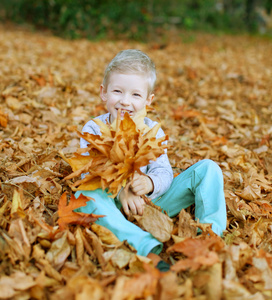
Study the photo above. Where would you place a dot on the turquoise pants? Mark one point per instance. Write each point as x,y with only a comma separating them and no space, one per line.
201,184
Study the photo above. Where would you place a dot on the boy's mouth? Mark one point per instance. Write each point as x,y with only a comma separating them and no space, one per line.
123,111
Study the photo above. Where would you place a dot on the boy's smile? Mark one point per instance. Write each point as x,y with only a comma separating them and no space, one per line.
127,92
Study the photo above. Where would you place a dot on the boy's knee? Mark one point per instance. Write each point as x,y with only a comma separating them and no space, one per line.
212,166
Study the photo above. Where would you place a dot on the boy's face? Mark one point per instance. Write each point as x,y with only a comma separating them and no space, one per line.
128,92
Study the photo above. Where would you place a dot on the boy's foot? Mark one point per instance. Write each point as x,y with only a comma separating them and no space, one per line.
158,262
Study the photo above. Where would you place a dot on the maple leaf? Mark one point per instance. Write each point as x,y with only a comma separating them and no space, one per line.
114,156
68,216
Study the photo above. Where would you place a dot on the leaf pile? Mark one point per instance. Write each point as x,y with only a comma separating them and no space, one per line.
115,155
213,98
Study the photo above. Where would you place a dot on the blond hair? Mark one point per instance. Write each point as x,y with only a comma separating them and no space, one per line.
132,61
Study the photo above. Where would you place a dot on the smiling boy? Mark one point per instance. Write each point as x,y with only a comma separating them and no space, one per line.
128,92
128,86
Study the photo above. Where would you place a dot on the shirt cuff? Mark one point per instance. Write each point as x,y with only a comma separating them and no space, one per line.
118,195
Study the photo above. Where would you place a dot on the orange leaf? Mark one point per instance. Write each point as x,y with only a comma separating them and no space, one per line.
39,79
208,259
68,216
192,247
3,119
199,253
180,112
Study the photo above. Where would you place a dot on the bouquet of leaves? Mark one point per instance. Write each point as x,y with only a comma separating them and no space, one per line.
111,159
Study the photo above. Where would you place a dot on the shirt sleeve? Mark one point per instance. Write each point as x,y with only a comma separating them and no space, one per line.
160,172
92,128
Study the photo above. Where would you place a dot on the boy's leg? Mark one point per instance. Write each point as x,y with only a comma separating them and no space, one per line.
115,221
201,184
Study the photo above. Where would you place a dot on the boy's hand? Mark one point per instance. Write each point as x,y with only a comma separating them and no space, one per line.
141,185
131,202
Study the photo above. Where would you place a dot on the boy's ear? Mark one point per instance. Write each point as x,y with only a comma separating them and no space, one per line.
103,93
150,99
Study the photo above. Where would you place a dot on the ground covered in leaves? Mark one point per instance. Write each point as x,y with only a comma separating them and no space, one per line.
213,98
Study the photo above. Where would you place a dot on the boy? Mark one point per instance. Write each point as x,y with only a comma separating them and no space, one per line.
127,86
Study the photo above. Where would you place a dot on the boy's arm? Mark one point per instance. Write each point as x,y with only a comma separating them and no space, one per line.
92,128
160,172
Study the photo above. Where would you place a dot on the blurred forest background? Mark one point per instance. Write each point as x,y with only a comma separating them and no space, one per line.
140,20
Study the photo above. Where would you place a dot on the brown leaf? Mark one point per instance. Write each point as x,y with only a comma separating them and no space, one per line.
262,265
18,233
18,281
45,266
59,251
81,287
139,286
156,223
250,192
185,229
212,281
199,253
119,257
193,264
96,243
79,246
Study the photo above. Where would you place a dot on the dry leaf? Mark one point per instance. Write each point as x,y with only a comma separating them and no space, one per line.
118,257
156,223
58,252
18,281
185,227
199,253
3,119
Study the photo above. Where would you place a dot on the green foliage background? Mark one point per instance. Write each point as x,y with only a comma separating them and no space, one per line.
136,19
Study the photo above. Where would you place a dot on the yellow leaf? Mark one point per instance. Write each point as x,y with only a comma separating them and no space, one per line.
104,129
16,206
105,235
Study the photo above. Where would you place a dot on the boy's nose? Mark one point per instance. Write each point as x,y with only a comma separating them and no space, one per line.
125,100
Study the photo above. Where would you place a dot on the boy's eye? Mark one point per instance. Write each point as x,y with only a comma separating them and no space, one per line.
137,95
117,91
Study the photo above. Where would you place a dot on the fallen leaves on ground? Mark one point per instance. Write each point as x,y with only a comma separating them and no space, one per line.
213,99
